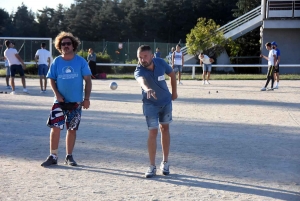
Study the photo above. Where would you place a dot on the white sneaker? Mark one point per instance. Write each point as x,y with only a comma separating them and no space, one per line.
203,83
276,87
151,171
25,90
263,89
206,82
164,167
180,83
13,92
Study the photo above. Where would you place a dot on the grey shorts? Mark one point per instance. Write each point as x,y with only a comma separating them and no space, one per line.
157,114
7,70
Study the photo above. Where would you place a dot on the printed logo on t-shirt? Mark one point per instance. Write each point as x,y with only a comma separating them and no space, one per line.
68,73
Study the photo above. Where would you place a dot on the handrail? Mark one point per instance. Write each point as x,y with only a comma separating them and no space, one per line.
194,66
235,23
241,20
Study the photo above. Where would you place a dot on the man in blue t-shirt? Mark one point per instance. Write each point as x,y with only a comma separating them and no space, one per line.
157,53
66,75
276,71
157,103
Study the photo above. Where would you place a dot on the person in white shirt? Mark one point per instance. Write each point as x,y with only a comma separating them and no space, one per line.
42,60
205,62
169,57
177,62
16,64
271,63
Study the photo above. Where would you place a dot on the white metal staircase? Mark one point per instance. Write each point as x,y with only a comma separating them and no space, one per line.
236,28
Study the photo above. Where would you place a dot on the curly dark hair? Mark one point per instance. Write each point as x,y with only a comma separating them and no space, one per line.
62,35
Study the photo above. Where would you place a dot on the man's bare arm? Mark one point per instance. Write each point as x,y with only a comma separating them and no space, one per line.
143,84
173,85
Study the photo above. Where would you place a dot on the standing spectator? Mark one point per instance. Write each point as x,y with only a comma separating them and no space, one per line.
157,103
276,70
66,75
42,60
205,62
16,64
91,58
177,62
170,55
271,62
157,53
6,64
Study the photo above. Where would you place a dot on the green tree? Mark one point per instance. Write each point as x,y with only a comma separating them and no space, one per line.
80,18
24,23
5,23
133,12
44,17
110,21
244,6
205,37
249,43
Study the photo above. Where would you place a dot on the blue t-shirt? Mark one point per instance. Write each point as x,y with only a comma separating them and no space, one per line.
92,57
69,77
277,53
157,54
156,81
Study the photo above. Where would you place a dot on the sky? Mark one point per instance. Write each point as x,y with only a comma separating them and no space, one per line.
34,5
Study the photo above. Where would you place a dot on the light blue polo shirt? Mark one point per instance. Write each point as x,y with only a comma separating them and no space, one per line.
156,81
69,77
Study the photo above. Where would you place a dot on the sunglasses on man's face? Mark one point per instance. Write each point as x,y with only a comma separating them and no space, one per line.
66,43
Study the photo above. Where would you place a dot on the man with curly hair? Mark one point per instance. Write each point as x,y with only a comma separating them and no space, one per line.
66,75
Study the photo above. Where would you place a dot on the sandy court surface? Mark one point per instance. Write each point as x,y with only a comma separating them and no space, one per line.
237,144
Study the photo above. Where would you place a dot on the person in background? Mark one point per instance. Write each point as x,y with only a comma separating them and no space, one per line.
177,62
6,64
271,62
205,62
157,53
16,64
91,59
42,60
170,55
276,70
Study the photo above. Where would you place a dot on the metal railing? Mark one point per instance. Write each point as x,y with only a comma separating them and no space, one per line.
241,20
283,8
194,66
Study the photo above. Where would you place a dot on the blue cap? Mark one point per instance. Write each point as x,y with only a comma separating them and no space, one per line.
274,43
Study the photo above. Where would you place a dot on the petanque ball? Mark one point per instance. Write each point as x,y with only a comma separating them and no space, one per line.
113,85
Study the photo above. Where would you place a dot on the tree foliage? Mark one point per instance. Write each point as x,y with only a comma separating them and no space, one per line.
118,20
205,37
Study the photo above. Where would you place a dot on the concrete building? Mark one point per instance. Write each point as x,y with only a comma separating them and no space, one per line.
279,21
